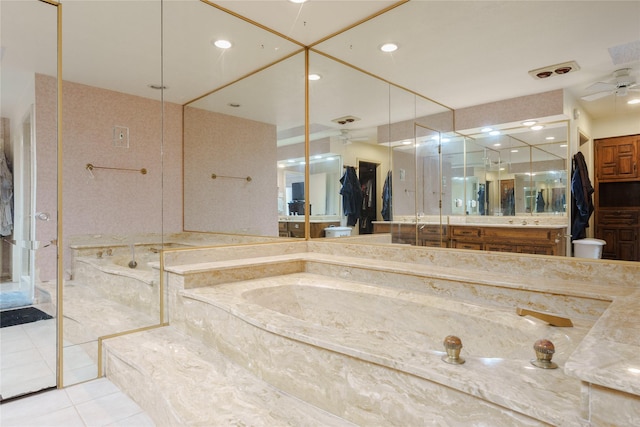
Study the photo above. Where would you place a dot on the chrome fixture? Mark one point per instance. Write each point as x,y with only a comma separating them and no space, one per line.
452,345
551,319
544,352
133,263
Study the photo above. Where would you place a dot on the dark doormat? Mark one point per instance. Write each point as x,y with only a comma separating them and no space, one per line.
21,316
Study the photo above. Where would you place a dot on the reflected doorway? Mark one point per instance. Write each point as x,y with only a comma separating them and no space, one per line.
367,175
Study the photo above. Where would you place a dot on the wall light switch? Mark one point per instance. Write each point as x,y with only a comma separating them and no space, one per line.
121,136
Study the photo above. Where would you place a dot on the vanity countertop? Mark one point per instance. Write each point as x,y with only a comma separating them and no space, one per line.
477,224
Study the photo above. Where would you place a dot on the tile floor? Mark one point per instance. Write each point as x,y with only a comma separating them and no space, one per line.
94,403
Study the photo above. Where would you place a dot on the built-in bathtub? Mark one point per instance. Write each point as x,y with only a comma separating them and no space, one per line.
342,345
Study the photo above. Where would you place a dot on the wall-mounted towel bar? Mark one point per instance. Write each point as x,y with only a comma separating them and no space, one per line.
91,167
245,178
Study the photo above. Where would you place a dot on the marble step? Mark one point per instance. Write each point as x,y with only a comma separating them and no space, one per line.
180,381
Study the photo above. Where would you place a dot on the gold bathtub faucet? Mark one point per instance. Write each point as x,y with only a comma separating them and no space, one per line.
551,319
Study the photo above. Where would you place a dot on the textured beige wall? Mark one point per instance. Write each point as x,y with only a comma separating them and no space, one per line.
110,201
230,146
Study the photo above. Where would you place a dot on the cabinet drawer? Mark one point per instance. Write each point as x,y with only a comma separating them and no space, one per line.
431,231
382,228
494,247
282,226
617,217
467,245
465,232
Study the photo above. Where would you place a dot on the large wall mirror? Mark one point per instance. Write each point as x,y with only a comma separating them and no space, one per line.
185,144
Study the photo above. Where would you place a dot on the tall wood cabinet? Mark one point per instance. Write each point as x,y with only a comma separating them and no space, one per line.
617,196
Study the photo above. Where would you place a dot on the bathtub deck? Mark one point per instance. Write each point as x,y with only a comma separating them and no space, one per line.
180,381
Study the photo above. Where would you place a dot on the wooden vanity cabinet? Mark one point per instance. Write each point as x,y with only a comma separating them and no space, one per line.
296,228
525,240
432,235
617,196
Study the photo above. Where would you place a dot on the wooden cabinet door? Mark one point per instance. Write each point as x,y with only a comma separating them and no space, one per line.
616,158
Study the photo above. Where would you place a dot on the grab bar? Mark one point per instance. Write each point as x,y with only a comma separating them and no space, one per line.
91,167
246,178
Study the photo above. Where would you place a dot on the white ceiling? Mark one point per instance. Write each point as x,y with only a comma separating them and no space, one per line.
458,53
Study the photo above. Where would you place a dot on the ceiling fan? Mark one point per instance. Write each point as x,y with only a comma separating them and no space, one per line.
621,84
346,138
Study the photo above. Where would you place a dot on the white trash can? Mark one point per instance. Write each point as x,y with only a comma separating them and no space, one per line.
588,248
337,231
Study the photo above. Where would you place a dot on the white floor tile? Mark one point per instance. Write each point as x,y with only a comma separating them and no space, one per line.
67,417
108,409
138,420
92,390
33,407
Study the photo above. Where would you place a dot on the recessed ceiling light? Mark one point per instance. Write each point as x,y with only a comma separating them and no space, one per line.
222,44
317,157
487,129
537,127
514,151
633,101
550,138
529,123
494,133
389,47
497,144
407,142
314,77
281,165
563,145
298,1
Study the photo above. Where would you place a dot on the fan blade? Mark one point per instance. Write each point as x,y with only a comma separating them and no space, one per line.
596,95
601,86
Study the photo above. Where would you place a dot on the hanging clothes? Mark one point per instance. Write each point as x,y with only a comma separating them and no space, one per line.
581,197
540,202
352,197
386,198
481,200
6,198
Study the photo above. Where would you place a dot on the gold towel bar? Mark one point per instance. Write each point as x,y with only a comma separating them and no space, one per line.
91,167
214,176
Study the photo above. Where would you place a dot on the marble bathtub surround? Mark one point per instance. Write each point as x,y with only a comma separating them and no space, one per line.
590,292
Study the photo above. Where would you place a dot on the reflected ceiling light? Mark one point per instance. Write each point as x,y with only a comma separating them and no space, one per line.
298,1
330,158
445,140
389,47
550,138
291,160
407,142
317,157
222,44
501,169
314,77
633,101
514,151
494,132
301,163
529,123
536,127
282,165
487,129
497,144
563,145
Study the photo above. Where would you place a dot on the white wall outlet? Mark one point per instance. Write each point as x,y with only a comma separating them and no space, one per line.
121,136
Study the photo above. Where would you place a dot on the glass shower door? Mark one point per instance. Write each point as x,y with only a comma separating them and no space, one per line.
28,181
